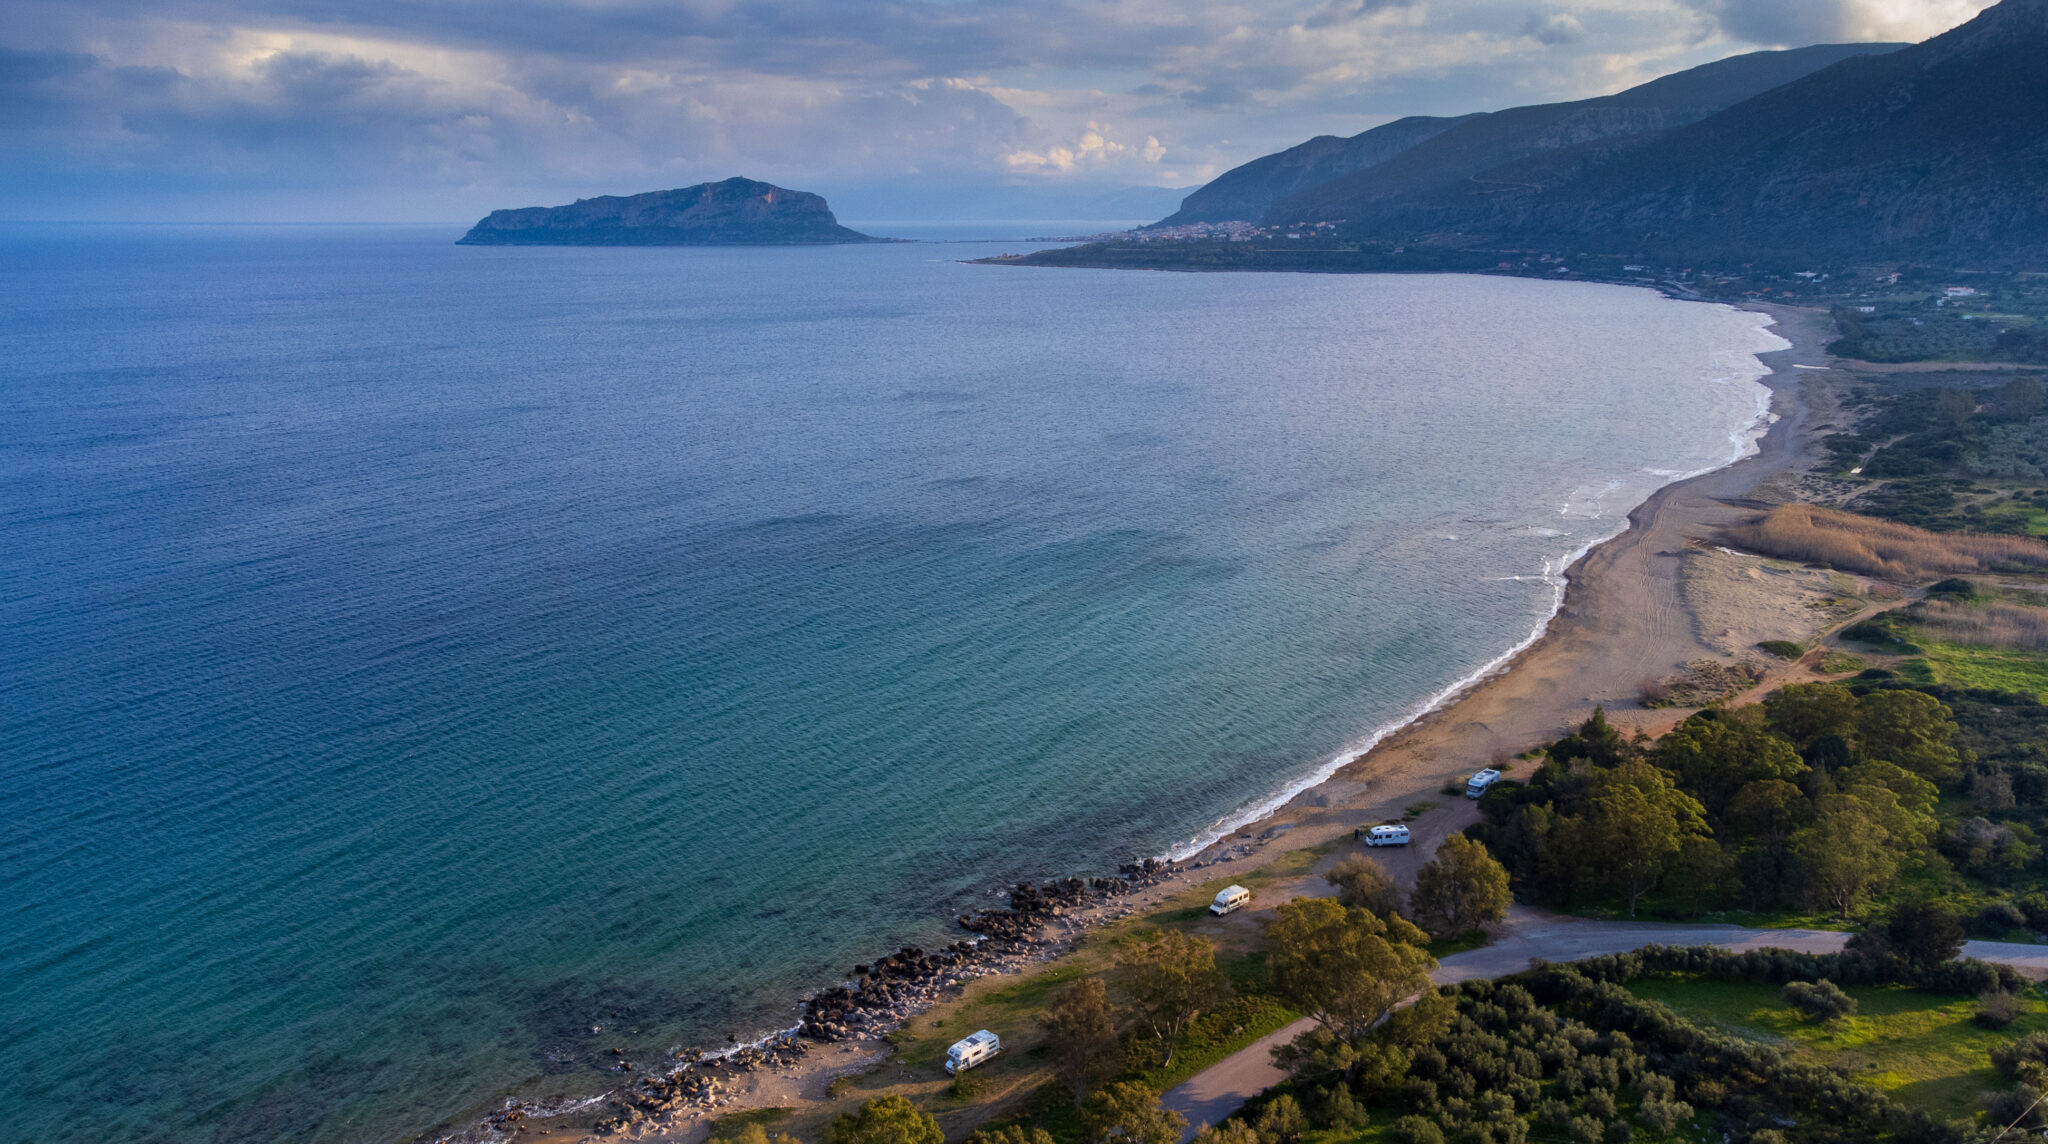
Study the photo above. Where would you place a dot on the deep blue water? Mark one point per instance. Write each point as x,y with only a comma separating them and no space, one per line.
411,655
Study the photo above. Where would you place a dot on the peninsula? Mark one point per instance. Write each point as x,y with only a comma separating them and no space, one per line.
735,212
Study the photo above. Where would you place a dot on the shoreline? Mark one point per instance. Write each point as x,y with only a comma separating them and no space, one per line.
1748,442
1611,626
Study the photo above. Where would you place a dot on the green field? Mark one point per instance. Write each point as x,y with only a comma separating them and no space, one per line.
1920,1047
2000,669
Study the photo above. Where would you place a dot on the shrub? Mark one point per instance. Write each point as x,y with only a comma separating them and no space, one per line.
1281,1121
1821,1000
1998,919
2017,1058
1664,1115
1870,632
967,1086
1783,649
1997,1008
1954,588
1587,1130
1363,882
2021,1107
1414,1130
885,1120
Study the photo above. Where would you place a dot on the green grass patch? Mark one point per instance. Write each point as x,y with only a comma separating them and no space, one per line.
1916,671
1236,1023
1783,649
2029,520
1012,1011
2001,669
1922,1048
1840,662
1446,946
1417,810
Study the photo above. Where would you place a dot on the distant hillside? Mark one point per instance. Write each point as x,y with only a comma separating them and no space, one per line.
1938,152
736,212
1249,191
1468,159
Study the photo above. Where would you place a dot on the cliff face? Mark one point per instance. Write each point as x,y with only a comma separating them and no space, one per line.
736,212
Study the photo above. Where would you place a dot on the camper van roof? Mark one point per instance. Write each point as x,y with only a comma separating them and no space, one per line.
1228,891
981,1038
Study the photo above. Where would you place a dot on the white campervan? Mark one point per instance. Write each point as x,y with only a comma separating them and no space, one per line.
1228,899
970,1051
1479,782
1390,835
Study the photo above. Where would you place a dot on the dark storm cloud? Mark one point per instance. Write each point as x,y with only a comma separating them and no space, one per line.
1782,23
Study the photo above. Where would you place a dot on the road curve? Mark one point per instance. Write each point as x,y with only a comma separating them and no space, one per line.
1531,934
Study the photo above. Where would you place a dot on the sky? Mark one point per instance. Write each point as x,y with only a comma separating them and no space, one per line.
384,110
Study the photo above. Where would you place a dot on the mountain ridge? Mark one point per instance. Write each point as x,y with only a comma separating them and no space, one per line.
1485,143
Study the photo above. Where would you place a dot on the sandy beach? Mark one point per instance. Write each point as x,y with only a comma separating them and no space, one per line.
1627,616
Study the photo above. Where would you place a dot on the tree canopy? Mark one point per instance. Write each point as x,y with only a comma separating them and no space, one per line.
1346,967
1460,890
1129,1113
1080,1032
886,1120
1171,978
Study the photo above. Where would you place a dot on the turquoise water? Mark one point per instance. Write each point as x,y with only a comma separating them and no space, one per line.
416,655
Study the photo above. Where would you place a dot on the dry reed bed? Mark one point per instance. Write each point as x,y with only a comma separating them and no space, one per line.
1986,625
1882,548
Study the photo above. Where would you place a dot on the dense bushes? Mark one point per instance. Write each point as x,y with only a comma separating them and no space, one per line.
1567,1052
1782,966
1818,797
1821,1000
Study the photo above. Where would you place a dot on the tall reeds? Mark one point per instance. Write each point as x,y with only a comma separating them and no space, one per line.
1988,625
1881,548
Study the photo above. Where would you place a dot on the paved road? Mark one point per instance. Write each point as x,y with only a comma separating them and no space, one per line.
1223,1087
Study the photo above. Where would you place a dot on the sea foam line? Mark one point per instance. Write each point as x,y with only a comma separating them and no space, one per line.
1747,442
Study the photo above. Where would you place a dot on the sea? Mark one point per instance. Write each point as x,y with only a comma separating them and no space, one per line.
424,668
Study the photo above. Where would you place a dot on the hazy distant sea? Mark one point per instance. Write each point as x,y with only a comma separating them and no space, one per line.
412,655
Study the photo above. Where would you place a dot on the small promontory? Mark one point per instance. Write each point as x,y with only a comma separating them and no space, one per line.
736,212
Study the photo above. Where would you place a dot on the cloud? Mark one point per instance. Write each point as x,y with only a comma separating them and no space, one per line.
621,94
1555,29
1793,23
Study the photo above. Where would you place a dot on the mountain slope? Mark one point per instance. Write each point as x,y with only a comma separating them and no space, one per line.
1938,151
736,212
1249,191
1480,145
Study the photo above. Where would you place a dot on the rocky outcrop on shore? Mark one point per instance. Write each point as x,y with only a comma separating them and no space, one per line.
878,997
699,1082
873,1000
